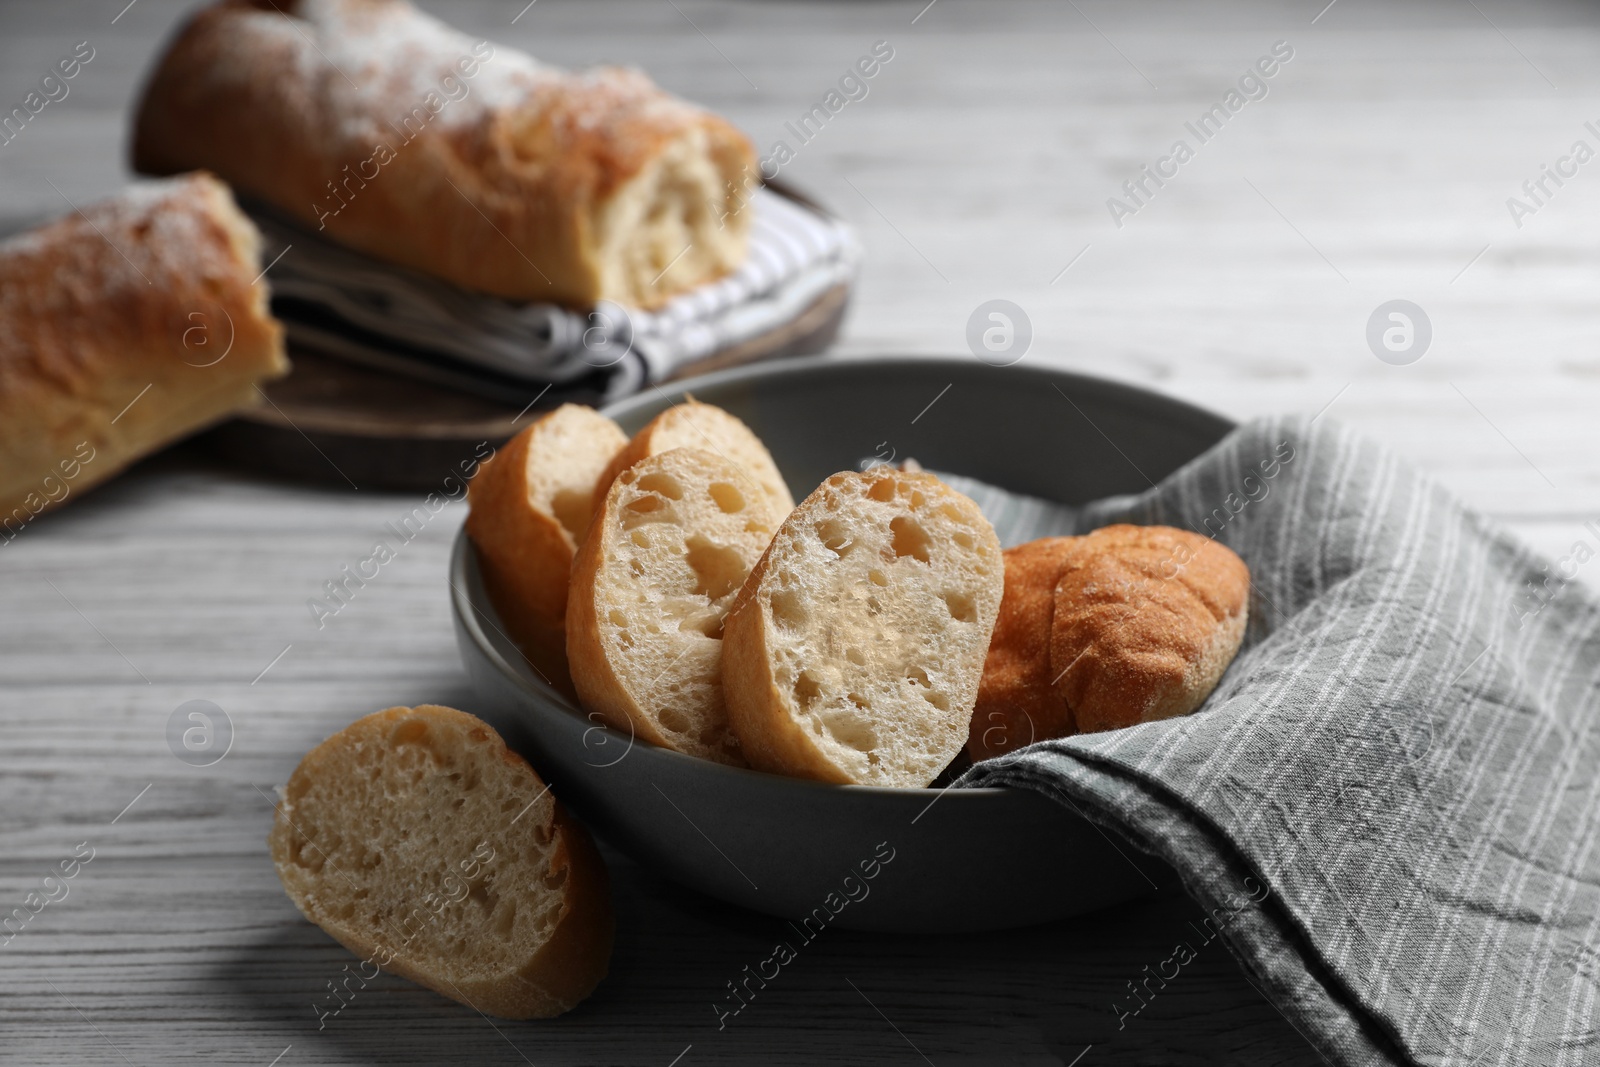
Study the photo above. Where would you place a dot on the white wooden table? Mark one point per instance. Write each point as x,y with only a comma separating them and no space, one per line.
979,165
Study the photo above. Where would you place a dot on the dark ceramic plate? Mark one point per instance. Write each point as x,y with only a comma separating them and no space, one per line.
961,859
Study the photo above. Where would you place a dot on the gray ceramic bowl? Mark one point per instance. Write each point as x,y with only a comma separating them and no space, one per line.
961,859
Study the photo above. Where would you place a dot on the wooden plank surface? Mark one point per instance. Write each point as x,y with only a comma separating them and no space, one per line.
978,166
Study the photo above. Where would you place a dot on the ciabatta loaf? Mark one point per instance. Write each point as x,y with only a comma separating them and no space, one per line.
1146,620
664,558
423,845
854,651
710,429
125,327
392,133
530,505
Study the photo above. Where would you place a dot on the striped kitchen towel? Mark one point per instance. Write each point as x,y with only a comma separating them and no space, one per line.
1391,803
400,320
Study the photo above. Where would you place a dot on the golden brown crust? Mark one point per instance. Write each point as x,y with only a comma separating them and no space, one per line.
146,300
525,560
1017,703
1146,620
423,147
566,967
1128,624
524,551
692,424
578,955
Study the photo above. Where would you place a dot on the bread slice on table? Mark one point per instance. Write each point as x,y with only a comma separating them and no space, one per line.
1147,619
665,557
1017,701
418,841
855,648
530,505
710,429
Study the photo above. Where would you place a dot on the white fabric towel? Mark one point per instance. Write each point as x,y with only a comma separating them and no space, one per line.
404,320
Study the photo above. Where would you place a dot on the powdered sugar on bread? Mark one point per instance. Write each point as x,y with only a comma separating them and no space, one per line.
417,144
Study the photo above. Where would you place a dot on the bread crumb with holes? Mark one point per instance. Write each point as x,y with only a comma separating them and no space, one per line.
668,551
854,652
417,840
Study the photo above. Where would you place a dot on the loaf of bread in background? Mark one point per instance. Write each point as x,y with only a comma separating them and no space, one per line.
692,424
1125,625
664,558
423,845
124,327
530,505
854,651
419,145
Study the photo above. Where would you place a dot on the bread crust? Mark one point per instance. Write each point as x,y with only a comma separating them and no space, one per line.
775,731
569,963
123,328
1017,702
692,424
1124,625
524,549
1147,619
360,118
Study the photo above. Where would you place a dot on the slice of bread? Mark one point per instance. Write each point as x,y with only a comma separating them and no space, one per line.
710,429
854,651
530,505
1146,620
422,844
1017,701
664,559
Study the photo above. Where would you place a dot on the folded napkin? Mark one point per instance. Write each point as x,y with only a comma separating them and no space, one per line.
405,321
1391,804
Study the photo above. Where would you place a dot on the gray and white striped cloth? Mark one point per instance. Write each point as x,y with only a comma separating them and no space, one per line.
1405,755
376,313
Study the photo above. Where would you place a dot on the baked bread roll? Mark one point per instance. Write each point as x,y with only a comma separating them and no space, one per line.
692,424
854,651
1017,702
529,507
123,328
1128,624
413,143
663,560
1147,619
419,842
